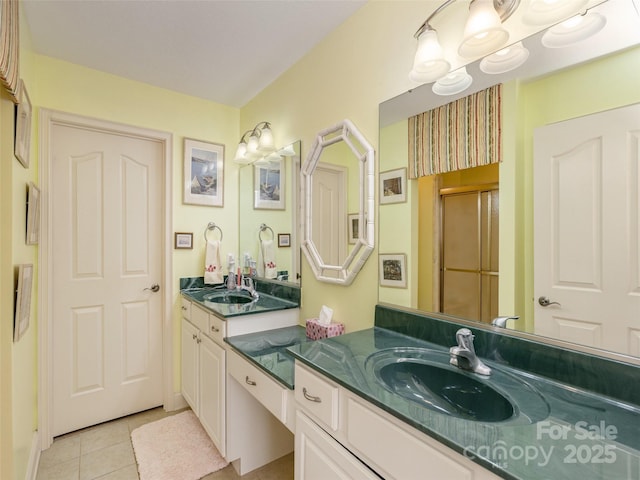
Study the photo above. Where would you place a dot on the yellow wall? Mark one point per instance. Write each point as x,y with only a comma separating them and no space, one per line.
362,63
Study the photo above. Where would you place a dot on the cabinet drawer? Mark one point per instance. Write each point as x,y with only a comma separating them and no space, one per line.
266,390
200,318
317,396
217,329
372,438
186,308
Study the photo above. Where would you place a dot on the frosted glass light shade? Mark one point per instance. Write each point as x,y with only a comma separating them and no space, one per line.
266,141
573,30
505,60
546,12
287,151
483,32
241,154
454,82
252,147
429,63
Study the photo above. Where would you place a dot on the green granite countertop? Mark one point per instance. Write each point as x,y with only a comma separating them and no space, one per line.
265,302
580,435
268,350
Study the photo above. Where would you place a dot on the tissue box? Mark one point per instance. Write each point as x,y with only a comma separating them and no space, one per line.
315,331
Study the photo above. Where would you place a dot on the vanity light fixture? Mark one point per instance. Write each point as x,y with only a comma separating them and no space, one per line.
505,60
452,83
483,33
546,12
573,30
260,141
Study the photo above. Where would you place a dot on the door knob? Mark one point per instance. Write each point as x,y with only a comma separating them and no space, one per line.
154,288
545,302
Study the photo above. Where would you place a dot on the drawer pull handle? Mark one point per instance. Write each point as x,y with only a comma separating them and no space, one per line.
184,308
194,336
311,398
249,382
214,329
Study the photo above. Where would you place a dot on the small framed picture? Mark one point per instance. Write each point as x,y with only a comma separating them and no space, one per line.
393,186
353,227
183,240
22,144
268,185
33,214
23,301
203,173
393,270
284,240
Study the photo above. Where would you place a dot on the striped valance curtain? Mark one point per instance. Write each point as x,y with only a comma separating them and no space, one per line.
462,134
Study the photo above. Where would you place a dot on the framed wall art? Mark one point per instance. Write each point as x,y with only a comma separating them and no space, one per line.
33,215
203,173
183,240
22,142
393,186
284,240
23,301
393,270
269,184
353,227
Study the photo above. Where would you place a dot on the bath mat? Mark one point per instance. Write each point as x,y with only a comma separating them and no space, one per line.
175,448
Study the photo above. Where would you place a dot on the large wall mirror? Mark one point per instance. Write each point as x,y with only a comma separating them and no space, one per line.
554,85
337,186
268,221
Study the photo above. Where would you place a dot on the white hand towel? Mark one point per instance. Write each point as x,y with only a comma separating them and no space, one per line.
268,258
212,266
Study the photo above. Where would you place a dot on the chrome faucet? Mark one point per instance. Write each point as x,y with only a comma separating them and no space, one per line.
464,355
502,321
248,285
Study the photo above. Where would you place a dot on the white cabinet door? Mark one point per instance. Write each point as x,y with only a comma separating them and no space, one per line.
319,457
212,391
189,368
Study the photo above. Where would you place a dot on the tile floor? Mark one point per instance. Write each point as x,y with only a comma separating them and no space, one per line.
104,452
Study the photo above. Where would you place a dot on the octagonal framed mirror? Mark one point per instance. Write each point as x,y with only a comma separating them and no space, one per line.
338,203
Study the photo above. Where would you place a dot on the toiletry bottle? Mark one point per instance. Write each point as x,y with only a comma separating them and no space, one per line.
254,270
231,280
246,268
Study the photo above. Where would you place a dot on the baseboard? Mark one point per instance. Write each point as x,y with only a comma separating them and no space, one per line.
34,457
177,402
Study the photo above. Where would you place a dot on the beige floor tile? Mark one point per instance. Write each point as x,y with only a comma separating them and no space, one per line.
105,435
67,470
126,473
104,452
63,449
106,460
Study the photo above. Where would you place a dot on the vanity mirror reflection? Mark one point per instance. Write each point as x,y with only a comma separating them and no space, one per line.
337,192
554,85
268,221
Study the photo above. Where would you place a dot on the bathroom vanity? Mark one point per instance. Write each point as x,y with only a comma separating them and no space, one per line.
386,402
228,413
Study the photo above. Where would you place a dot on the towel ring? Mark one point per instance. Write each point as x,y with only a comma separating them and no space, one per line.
264,227
212,226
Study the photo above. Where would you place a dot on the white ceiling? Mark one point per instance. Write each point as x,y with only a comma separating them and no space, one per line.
224,51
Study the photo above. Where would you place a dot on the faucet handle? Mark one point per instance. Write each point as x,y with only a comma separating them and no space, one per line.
502,321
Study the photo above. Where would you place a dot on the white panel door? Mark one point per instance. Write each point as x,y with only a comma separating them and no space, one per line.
587,225
106,233
329,213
